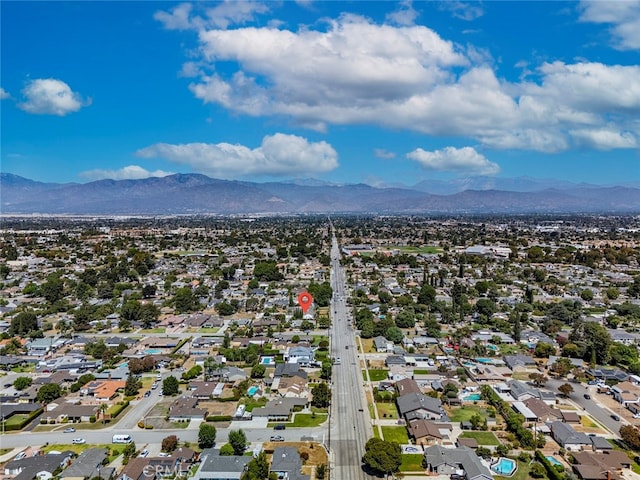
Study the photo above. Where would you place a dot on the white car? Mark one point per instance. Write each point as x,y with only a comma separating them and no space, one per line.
164,454
78,441
144,453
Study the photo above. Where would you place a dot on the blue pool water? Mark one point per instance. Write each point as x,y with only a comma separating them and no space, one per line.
267,360
504,467
552,460
483,360
153,351
492,347
474,397
252,391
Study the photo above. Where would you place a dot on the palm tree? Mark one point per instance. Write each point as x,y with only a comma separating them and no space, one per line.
103,410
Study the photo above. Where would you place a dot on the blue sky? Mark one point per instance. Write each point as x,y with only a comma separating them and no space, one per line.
375,92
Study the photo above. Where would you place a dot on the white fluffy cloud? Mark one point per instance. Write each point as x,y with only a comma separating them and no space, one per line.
355,71
4,94
278,155
404,15
623,16
130,172
463,10
48,96
223,15
451,159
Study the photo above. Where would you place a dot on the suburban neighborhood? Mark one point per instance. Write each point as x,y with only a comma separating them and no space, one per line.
465,349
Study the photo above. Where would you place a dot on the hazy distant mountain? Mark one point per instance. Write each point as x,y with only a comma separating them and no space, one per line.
199,194
517,184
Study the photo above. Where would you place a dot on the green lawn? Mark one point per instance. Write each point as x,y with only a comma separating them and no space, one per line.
412,462
483,438
153,330
387,408
464,413
308,420
522,473
208,330
395,434
16,419
250,403
179,424
376,375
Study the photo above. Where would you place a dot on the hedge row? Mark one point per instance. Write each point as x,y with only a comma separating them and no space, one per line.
19,426
117,409
552,473
219,418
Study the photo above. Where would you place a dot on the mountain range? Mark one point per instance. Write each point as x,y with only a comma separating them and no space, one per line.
199,194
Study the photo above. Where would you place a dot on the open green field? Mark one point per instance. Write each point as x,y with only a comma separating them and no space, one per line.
387,410
465,412
412,462
483,438
376,375
395,434
308,420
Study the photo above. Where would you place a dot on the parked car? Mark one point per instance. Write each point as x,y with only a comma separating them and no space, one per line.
280,426
144,453
277,438
78,441
615,417
69,430
20,456
587,396
147,393
164,454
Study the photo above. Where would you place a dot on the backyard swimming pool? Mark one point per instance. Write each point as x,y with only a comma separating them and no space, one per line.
251,392
474,397
267,360
152,351
504,467
552,460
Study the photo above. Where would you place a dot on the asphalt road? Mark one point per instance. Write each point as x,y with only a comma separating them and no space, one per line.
350,425
593,407
141,437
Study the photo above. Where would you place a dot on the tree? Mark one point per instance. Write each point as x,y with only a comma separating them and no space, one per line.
132,386
206,435
565,389
49,392
258,468
321,395
382,457
23,323
103,412
129,450
258,371
321,471
170,386
226,450
394,334
238,441
52,290
631,436
170,443
22,382
544,350
185,300
538,379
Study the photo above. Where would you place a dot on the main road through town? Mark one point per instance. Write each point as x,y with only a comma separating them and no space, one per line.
350,422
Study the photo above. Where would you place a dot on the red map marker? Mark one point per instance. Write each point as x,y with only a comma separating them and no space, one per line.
305,300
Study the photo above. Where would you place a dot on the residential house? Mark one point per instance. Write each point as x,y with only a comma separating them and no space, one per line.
543,412
600,466
186,408
287,464
448,461
519,361
28,467
425,432
568,438
406,386
213,466
382,345
85,466
202,390
299,354
279,409
420,405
